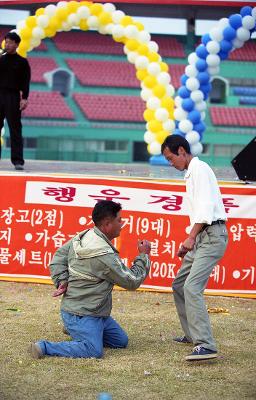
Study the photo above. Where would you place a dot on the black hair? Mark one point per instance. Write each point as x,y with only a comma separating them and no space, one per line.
105,209
173,142
13,36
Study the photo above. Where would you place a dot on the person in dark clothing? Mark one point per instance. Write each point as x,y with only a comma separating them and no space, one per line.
14,90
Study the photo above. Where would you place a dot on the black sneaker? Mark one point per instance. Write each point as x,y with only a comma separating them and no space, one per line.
19,167
201,353
182,339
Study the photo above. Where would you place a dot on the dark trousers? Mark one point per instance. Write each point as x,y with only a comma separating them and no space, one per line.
10,109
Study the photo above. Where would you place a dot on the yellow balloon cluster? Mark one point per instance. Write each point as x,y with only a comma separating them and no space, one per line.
151,71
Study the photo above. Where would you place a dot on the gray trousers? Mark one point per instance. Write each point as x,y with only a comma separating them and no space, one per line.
191,280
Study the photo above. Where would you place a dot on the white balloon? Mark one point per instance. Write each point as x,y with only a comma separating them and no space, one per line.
216,33
149,137
117,16
185,125
254,13
243,34
132,56
109,7
153,46
180,114
43,21
162,114
192,58
144,36
154,68
213,47
109,28
83,12
50,10
213,70
178,101
197,95
196,148
248,22
191,71
141,62
192,84
93,22
153,103
192,137
201,106
203,115
103,30
145,94
20,25
169,125
73,19
237,43
155,148
62,4
170,90
38,32
223,23
213,60
163,78
65,26
118,31
35,42
131,31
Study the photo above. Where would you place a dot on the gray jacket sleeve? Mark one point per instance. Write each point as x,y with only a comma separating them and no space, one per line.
59,264
128,278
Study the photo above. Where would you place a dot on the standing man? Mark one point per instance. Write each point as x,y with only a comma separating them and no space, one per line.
201,250
85,269
14,91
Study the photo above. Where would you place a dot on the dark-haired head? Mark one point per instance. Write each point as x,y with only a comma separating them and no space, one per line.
105,209
174,142
13,36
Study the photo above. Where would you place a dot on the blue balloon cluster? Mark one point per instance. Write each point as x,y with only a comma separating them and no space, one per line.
229,34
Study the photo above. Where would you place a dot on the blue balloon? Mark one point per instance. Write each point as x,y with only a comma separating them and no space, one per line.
247,10
225,45
201,65
184,92
235,21
194,116
203,77
223,55
229,33
187,104
178,132
183,79
199,127
201,51
206,38
206,88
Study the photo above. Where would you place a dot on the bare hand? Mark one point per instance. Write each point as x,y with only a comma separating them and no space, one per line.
144,246
23,104
187,246
61,289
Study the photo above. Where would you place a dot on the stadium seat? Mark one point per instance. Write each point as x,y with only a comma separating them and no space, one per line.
236,116
40,65
47,105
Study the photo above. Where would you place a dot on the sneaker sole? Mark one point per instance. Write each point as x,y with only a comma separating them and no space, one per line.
35,351
202,357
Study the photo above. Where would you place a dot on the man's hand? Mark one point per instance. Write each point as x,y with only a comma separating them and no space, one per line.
23,104
61,289
144,246
186,246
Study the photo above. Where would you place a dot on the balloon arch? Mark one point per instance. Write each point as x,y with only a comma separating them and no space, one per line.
185,115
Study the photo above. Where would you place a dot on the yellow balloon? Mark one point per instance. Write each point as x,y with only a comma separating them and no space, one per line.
139,25
153,57
141,74
132,44
159,91
105,18
120,39
143,49
39,11
127,20
148,115
72,6
96,9
83,25
164,67
150,81
22,53
25,33
161,136
61,13
31,21
3,44
167,102
155,126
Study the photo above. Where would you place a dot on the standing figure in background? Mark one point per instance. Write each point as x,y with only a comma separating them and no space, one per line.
201,250
14,90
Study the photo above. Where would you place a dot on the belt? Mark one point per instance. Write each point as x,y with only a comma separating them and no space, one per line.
218,222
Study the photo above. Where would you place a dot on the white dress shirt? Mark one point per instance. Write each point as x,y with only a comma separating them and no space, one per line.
203,194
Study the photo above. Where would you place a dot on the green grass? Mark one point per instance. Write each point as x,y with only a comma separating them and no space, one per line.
151,368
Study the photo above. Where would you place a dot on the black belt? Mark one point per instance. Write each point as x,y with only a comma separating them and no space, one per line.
218,222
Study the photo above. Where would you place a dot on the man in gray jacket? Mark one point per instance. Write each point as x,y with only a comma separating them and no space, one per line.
85,269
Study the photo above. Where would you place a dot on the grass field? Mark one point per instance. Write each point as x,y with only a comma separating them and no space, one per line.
151,368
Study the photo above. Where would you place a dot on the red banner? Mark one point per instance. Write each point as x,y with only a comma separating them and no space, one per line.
39,214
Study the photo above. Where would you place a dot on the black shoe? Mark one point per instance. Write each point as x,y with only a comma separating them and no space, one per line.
201,353
182,339
19,167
